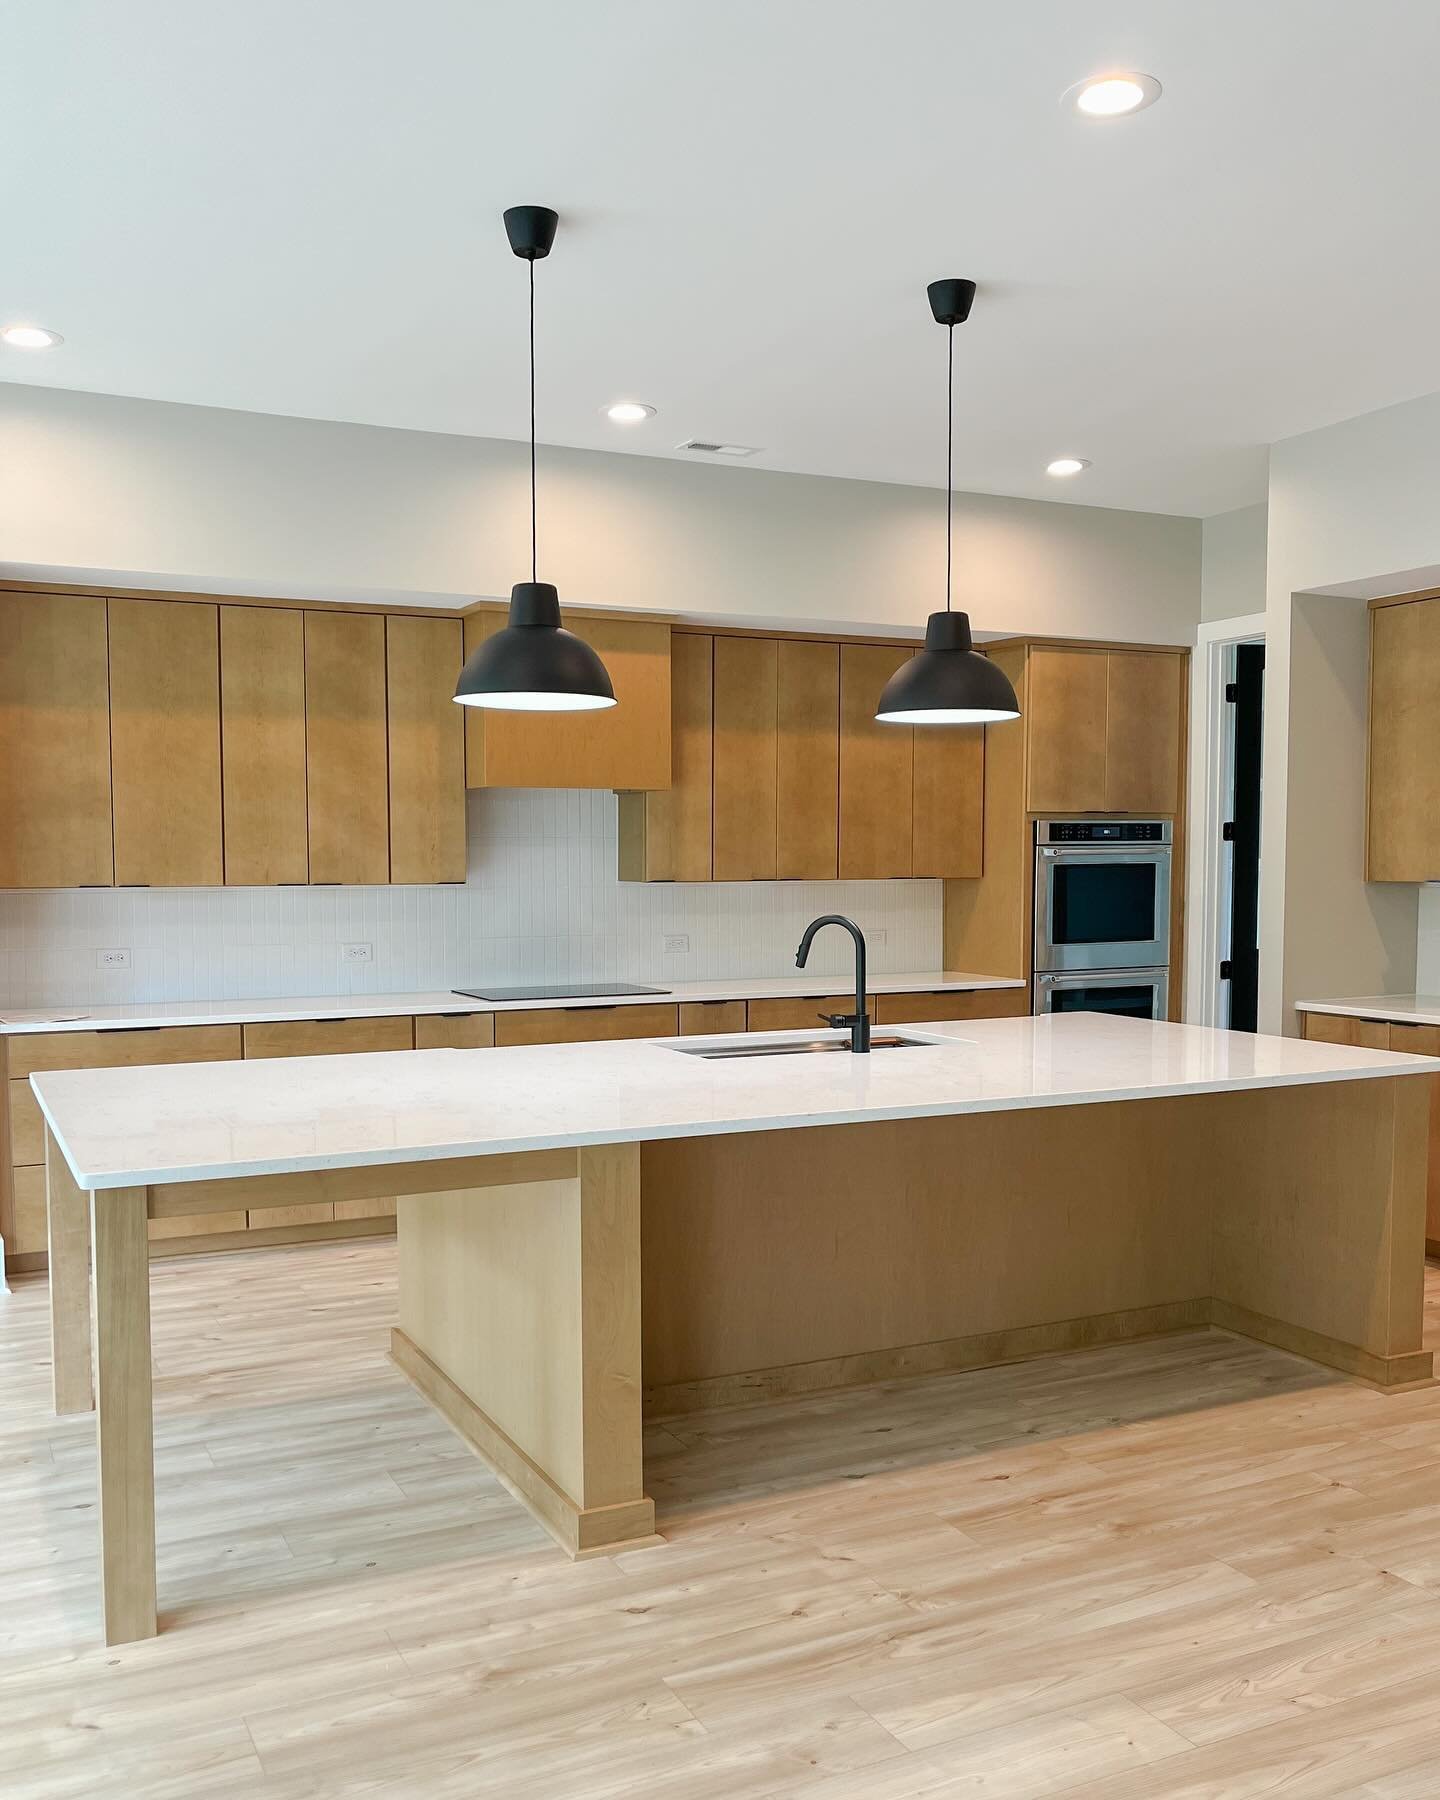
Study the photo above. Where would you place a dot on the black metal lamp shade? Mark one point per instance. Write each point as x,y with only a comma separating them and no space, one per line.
533,664
948,682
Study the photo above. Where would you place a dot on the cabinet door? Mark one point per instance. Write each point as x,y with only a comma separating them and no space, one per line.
454,1031
746,673
625,746
1424,1040
165,743
54,742
877,769
795,1012
1144,709
583,1024
1337,1028
948,830
262,738
1403,829
703,1018
666,836
914,1009
807,761
427,749
1066,726
347,776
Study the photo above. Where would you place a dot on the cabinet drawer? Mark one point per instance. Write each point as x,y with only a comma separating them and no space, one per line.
196,1225
915,1009
263,1218
451,1031
328,1037
798,1014
362,1209
27,1125
698,1018
122,1049
583,1024
1336,1028
1416,1040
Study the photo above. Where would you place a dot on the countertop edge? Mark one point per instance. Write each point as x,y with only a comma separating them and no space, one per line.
1397,1009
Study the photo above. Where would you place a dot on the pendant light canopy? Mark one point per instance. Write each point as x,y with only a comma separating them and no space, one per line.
948,682
533,664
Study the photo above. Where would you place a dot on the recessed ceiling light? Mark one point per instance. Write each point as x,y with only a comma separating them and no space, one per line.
1067,465
628,412
30,337
1112,96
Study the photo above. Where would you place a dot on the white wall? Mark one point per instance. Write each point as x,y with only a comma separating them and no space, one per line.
148,493
1352,508
1427,947
541,902
1232,563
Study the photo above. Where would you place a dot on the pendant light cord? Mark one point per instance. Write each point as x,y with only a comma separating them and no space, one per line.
534,557
949,454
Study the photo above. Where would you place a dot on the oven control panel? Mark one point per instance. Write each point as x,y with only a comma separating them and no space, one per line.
1102,831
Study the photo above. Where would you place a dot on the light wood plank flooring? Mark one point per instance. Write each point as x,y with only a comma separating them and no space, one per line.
1191,1567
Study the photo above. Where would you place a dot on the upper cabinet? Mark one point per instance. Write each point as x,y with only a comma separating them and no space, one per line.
427,749
781,772
1104,730
165,743
346,756
622,746
55,826
1402,836
262,745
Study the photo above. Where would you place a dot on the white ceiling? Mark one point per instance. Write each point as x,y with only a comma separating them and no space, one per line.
292,206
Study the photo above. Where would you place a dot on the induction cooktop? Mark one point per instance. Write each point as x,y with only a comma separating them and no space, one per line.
573,990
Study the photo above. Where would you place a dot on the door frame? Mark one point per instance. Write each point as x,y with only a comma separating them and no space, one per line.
1212,738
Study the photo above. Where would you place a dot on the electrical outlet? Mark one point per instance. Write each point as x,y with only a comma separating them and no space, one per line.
357,953
677,944
112,959
876,938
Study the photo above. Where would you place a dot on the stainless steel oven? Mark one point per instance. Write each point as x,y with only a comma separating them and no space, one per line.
1132,993
1102,894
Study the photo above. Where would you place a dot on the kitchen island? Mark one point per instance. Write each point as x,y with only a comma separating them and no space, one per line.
591,1232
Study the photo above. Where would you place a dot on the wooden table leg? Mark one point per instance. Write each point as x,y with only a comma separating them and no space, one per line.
124,1413
68,1209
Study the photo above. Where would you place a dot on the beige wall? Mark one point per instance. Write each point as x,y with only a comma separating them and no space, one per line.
248,502
1232,563
1352,507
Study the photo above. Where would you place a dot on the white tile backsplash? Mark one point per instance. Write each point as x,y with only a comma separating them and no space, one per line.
541,901
1427,941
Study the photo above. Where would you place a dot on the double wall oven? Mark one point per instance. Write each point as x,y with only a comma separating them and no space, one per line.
1102,916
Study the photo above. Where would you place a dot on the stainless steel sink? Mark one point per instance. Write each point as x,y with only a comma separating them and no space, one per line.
724,1052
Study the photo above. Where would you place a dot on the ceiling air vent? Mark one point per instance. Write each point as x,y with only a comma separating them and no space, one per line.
704,447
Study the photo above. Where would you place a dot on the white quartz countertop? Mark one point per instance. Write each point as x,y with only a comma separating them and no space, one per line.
1404,1009
16,1021
202,1121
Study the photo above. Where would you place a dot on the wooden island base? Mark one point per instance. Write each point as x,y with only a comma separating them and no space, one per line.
536,1289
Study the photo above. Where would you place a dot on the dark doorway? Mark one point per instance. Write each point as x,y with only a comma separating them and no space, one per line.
1246,693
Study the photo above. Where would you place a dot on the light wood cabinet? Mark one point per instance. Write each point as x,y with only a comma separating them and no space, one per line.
948,806
427,749
704,1018
1105,730
791,1012
667,835
623,746
1403,823
55,828
165,743
984,1003
1337,1028
454,1031
877,769
346,755
262,740
139,1046
745,743
584,1024
807,761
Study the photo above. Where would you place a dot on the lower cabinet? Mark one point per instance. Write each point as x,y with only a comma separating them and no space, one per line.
1415,1040
584,1024
703,1018
916,1009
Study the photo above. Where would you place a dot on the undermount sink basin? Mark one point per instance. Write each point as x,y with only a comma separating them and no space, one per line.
724,1052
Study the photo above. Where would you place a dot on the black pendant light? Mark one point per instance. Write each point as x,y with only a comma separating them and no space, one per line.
533,664
948,682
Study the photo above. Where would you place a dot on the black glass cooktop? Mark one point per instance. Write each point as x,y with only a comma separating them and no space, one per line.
574,990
